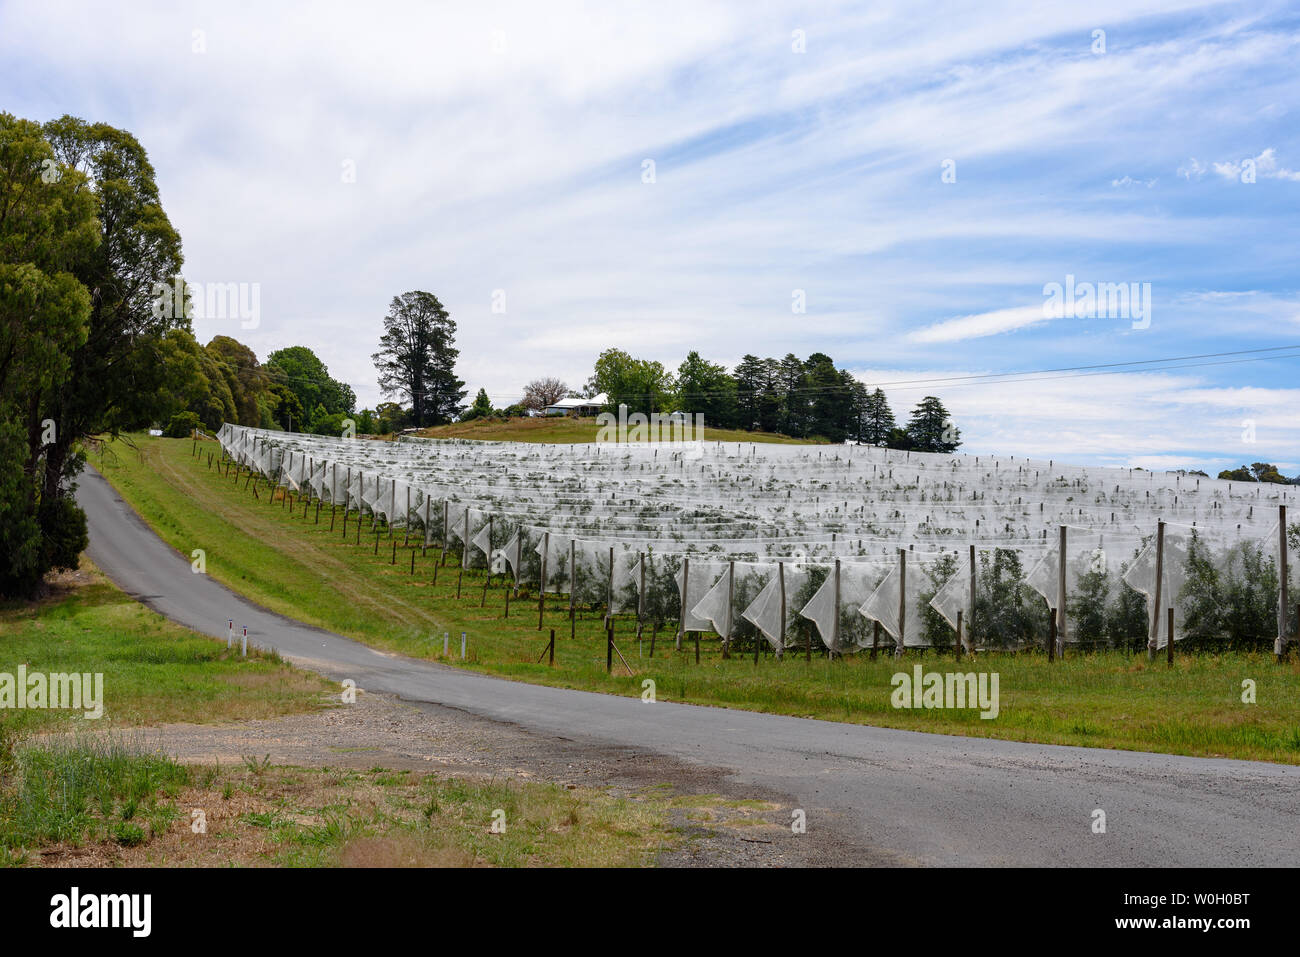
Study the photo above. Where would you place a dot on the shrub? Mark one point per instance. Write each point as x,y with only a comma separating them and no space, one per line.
182,425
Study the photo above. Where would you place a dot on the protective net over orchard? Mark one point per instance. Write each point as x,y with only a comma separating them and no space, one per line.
851,546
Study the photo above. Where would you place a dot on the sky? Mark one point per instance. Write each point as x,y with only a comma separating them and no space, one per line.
898,185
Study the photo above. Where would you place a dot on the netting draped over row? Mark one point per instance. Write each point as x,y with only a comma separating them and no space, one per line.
722,538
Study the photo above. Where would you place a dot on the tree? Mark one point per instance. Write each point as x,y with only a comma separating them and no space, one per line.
480,409
541,393
1267,472
1242,474
878,423
193,381
794,400
930,429
47,227
301,371
705,388
830,406
244,375
640,384
417,358
115,370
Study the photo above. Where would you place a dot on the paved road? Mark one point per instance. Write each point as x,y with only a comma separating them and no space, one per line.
903,796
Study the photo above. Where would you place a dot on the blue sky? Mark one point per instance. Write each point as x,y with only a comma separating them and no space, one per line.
501,147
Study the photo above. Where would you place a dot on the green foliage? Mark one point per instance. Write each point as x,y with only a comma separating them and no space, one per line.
298,372
481,408
934,627
47,230
1231,602
931,429
705,388
417,358
640,384
1005,614
181,425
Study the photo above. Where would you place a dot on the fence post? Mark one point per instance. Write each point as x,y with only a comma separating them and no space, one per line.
970,625
1060,597
686,586
780,646
1279,648
541,581
1155,598
902,602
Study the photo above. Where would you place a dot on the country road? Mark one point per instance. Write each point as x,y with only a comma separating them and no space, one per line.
903,797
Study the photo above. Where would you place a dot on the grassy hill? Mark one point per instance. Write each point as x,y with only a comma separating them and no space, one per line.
566,429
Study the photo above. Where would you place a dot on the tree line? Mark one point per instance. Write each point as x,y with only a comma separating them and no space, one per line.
801,398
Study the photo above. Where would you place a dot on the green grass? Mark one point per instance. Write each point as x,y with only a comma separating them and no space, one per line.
154,670
298,568
93,791
121,807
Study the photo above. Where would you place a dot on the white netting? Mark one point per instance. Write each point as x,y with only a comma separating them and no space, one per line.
710,504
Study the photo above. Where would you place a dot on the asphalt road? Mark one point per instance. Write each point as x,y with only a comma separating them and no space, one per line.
904,796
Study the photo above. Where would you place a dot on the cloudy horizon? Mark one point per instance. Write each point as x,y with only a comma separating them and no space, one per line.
668,177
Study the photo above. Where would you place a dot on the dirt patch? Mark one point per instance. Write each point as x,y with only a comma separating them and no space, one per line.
718,822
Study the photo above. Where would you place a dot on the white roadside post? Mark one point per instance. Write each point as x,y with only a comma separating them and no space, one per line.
243,645
230,633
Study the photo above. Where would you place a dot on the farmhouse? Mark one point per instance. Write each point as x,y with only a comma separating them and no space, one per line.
578,406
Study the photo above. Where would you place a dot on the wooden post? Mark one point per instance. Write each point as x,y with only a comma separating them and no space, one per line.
835,624
731,583
541,583
444,534
875,638
780,575
1280,646
640,605
1155,598
392,498
519,557
957,652
1051,635
654,633
1169,643
686,585
609,648
552,647
697,647
902,602
609,592
1060,597
970,625
407,539
507,601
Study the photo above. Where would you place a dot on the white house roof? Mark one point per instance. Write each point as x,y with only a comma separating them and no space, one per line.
601,399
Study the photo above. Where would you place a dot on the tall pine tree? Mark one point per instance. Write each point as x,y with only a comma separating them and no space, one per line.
417,359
